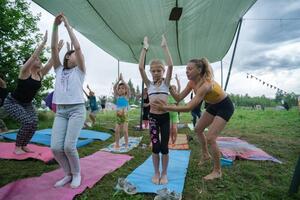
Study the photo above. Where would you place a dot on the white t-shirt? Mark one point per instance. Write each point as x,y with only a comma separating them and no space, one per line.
68,86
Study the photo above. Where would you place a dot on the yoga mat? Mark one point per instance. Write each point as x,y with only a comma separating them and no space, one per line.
40,153
93,168
181,142
132,143
45,139
84,133
177,169
232,148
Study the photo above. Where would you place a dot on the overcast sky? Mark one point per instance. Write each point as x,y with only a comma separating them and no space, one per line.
268,48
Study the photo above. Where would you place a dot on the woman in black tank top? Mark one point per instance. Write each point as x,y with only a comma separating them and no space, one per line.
18,104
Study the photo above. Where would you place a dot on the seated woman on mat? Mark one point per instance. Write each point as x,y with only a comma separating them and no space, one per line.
216,116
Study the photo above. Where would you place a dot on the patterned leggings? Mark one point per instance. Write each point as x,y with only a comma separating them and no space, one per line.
159,123
25,114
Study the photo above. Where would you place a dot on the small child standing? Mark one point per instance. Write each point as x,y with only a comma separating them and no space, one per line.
159,121
174,116
121,93
93,105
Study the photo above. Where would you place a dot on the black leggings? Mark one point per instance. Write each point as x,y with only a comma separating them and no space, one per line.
159,123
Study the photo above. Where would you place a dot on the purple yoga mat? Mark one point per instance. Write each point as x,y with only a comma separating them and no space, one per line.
93,168
232,148
40,153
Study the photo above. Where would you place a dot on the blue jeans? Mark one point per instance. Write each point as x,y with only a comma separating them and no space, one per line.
68,122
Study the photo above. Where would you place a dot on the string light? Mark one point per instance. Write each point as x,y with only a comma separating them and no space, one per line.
267,84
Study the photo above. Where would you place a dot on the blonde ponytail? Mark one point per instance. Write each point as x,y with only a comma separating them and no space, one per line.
205,67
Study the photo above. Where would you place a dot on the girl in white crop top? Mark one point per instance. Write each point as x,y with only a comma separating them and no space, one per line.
159,121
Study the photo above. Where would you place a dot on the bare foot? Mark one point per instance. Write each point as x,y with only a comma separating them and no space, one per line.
213,175
204,159
26,149
117,146
155,179
19,151
126,145
163,179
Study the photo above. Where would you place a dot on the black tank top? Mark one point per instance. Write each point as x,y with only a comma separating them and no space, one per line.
26,90
146,100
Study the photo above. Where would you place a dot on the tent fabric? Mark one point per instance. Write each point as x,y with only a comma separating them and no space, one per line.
205,29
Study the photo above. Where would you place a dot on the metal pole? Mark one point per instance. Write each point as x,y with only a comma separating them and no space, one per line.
142,101
118,69
221,73
233,54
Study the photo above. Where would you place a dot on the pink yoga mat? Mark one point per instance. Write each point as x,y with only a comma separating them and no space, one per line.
93,168
40,153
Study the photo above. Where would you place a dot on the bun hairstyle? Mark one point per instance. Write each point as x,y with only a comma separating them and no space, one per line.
66,59
157,62
204,65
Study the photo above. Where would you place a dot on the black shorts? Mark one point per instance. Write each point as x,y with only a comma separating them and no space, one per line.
223,109
146,111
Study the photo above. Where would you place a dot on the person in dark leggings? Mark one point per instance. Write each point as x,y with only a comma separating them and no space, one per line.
159,121
146,109
18,104
3,114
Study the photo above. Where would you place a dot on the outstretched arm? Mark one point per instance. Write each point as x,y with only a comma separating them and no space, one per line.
183,108
35,55
54,42
88,87
126,85
169,60
142,61
178,84
86,94
2,83
115,88
75,42
50,62
179,96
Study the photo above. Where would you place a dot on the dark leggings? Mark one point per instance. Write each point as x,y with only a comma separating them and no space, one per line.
26,115
159,123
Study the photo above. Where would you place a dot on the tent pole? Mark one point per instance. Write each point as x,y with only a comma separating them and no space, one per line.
142,101
222,73
118,68
233,54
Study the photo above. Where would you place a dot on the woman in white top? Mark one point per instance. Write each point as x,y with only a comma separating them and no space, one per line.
70,114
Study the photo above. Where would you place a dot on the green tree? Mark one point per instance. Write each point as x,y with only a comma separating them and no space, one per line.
132,91
18,38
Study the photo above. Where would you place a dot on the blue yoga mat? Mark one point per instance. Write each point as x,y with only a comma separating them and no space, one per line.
87,134
177,169
45,139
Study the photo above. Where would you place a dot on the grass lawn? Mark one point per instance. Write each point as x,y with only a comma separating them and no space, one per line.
276,132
